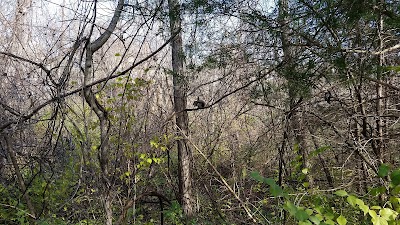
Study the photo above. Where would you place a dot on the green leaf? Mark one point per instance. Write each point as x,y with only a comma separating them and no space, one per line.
256,176
377,191
351,199
290,207
359,202
387,214
329,214
395,176
270,182
341,193
364,208
305,222
309,211
330,222
379,221
301,215
127,173
305,170
319,216
394,200
315,220
396,190
154,143
372,213
319,209
341,220
383,170
361,205
117,54
275,189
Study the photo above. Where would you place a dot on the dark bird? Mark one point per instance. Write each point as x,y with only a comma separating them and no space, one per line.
328,97
200,104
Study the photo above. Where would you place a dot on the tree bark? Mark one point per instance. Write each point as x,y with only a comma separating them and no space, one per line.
20,33
180,102
379,90
295,117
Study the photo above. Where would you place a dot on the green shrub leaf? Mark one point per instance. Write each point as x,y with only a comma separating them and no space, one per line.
383,170
379,221
275,189
315,220
341,193
256,176
301,215
387,214
341,220
351,199
377,191
395,176
329,222
291,208
372,213
364,208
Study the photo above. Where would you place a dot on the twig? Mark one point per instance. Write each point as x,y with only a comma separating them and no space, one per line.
14,207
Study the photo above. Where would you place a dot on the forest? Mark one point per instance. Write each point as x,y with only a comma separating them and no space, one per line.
231,112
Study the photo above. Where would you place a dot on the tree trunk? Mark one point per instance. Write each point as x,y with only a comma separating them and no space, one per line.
180,101
296,118
101,113
20,179
20,34
379,91
302,138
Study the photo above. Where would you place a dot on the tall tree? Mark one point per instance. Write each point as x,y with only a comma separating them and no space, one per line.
181,115
295,116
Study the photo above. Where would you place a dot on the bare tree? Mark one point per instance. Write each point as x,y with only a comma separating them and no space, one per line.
181,115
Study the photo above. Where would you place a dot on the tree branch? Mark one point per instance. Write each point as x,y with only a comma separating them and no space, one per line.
99,42
37,109
40,65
